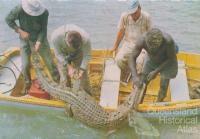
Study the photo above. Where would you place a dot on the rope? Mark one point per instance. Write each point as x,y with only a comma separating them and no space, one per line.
6,83
11,62
10,69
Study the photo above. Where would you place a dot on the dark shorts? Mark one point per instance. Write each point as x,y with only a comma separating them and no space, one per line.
167,73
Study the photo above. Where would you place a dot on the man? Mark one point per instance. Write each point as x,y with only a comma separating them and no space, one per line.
161,58
32,30
131,26
73,51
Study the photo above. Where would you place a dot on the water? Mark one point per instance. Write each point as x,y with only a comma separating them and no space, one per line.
23,123
99,18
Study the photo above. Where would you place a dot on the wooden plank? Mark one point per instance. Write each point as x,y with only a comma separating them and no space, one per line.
17,91
110,85
179,86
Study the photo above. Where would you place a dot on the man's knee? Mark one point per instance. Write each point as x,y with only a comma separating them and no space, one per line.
120,62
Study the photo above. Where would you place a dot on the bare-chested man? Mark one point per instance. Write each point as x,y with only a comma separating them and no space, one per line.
161,58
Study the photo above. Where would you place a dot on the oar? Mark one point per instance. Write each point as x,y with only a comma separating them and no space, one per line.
18,86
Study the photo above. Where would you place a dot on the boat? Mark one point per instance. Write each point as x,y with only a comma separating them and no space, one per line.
176,104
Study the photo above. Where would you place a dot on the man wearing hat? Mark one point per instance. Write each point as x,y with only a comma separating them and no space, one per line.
32,30
73,51
161,58
133,23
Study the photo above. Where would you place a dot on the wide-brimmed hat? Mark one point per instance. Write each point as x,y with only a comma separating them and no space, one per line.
33,7
154,39
133,6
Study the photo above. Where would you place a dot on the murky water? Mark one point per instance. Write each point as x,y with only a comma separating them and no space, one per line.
24,123
99,18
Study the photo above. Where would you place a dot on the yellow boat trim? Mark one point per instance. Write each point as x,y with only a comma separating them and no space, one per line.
35,101
193,67
168,106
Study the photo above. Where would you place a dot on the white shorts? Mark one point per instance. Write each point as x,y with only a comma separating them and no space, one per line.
123,55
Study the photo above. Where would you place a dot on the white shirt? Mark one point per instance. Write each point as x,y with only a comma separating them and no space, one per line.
134,29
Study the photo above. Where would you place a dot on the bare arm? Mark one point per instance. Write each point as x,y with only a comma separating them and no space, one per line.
86,55
121,31
119,38
171,56
132,59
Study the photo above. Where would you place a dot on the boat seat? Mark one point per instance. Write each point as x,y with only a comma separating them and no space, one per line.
110,85
96,65
179,86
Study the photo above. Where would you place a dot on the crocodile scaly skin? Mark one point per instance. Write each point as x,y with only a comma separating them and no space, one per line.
83,106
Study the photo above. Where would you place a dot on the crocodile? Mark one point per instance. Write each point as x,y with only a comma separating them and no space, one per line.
84,107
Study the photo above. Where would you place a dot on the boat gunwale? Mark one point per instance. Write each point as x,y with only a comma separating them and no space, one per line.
143,108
